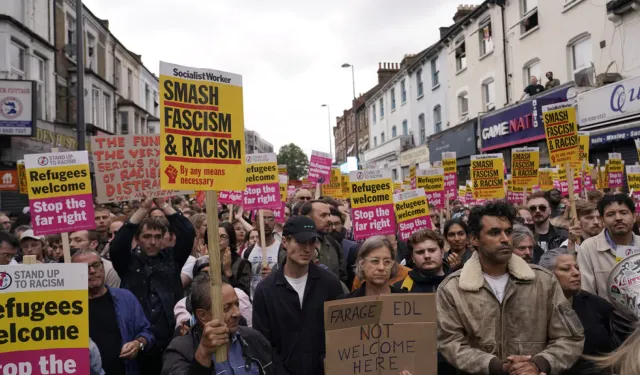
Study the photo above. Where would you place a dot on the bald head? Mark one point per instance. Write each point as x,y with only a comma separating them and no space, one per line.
303,195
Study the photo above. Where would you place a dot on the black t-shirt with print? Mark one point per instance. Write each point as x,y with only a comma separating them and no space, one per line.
534,89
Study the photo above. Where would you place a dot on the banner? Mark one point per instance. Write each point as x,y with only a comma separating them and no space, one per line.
60,198
201,129
487,174
284,180
583,150
633,182
9,180
449,164
525,163
126,166
263,184
319,167
22,177
616,168
462,194
545,178
561,131
412,212
231,197
18,106
432,181
44,325
372,203
334,187
282,169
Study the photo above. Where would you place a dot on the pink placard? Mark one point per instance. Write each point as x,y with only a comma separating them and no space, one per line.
588,182
636,198
615,180
62,214
262,196
451,185
230,197
435,198
319,167
38,362
407,228
373,221
278,214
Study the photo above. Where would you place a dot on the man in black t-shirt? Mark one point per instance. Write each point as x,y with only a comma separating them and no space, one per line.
534,88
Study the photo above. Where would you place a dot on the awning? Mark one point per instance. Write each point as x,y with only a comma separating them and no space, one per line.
624,131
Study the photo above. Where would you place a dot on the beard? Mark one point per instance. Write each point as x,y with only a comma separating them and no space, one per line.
339,236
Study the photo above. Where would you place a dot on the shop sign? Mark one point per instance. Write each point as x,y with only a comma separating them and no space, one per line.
616,100
17,107
614,136
415,155
460,139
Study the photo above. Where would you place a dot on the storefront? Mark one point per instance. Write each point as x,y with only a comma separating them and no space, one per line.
460,139
520,125
611,116
416,156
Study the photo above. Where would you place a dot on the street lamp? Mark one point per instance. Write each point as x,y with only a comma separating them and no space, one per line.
330,128
353,80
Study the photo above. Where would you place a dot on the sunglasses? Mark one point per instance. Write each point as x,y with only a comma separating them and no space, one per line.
541,208
305,198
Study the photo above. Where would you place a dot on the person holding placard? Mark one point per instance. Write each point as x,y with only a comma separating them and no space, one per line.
498,295
589,225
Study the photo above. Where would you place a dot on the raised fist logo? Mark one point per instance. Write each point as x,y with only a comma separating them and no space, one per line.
172,172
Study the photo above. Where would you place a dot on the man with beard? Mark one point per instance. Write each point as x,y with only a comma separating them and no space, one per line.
547,236
498,314
349,248
554,197
151,272
589,225
430,269
597,255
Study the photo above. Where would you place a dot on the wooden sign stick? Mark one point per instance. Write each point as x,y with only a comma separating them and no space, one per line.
263,240
572,200
318,187
66,248
215,266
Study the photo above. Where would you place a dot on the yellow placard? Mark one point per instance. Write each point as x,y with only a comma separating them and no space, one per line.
462,191
411,208
344,183
633,177
583,149
561,130
487,176
282,169
334,188
545,179
63,181
284,185
615,165
449,165
397,186
430,180
22,178
201,129
371,193
261,173
525,163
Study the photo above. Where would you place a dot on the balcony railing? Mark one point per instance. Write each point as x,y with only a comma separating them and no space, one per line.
396,145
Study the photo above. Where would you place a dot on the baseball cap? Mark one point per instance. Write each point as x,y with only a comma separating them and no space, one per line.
301,228
29,234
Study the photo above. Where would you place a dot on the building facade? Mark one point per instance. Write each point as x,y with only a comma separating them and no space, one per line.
340,139
255,144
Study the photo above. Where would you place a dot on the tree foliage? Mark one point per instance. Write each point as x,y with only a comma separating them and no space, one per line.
295,159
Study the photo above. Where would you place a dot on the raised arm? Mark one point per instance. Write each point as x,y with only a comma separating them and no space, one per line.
120,247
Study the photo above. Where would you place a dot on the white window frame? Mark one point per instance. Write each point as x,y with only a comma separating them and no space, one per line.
375,141
19,72
437,118
419,83
486,45
528,72
381,101
106,100
403,92
461,60
489,105
117,74
405,127
392,93
587,65
92,55
373,110
95,106
394,131
70,28
435,73
526,14
382,138
461,98
422,128
40,76
123,115
129,84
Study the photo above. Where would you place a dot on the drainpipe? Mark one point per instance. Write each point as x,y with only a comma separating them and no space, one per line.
504,55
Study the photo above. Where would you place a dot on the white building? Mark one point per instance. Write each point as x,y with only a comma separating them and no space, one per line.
149,100
255,144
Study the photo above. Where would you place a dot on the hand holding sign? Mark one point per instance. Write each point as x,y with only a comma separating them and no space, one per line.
214,335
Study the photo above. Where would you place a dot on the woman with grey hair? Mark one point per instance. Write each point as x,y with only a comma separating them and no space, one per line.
524,244
595,313
375,266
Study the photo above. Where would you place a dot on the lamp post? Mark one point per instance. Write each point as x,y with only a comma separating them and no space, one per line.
353,80
330,129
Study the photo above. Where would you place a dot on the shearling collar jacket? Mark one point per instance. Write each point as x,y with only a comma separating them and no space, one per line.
476,332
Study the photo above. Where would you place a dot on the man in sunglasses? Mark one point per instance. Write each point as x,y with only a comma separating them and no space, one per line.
303,195
547,236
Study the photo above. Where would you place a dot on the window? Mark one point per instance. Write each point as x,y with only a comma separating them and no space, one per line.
463,104
17,61
405,128
485,34
373,110
488,95
381,108
116,74
107,112
375,141
394,132
41,88
395,174
129,84
147,98
393,98
461,55
382,137
532,69
92,54
529,15
403,92
437,119
95,106
70,37
581,62
124,122
422,128
419,82
136,123
435,72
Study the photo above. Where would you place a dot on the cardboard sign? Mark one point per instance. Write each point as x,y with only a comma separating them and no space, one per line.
60,198
449,164
381,335
9,180
334,187
616,168
432,181
22,177
319,167
231,197
372,203
284,180
561,130
53,330
201,129
545,179
525,163
412,212
263,183
126,166
487,175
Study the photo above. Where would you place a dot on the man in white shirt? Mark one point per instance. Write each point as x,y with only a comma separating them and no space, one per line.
258,271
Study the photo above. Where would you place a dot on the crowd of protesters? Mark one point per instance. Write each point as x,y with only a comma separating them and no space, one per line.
520,289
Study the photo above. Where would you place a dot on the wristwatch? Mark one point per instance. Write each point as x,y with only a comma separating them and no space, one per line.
141,345
164,206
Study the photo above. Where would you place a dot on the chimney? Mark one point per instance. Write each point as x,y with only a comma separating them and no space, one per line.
386,71
443,31
463,11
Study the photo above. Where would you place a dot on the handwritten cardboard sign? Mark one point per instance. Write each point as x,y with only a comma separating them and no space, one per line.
381,335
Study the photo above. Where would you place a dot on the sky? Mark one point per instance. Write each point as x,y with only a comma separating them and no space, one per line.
289,52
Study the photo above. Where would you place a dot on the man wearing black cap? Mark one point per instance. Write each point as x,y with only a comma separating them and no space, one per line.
288,305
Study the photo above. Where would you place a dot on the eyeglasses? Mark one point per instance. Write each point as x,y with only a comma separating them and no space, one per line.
305,198
541,208
377,261
268,218
96,266
7,256
224,237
